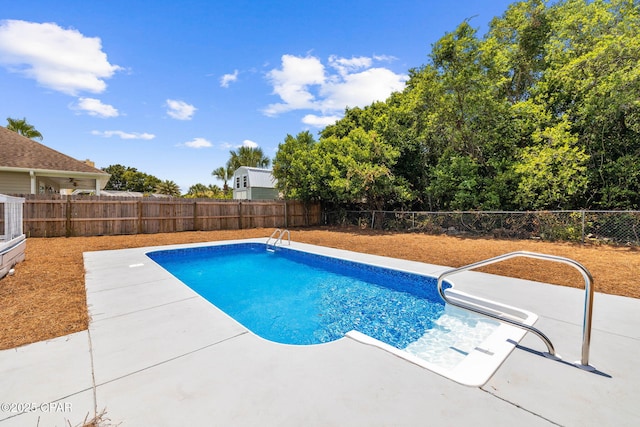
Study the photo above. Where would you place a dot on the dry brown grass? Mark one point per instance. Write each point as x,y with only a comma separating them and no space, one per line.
46,297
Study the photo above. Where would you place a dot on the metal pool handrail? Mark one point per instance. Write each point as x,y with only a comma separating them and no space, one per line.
277,235
588,303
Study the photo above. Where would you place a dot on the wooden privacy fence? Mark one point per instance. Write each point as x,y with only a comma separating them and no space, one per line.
57,216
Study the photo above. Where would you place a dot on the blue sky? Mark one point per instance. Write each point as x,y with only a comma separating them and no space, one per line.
169,87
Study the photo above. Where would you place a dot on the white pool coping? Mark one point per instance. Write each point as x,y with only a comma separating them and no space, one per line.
157,354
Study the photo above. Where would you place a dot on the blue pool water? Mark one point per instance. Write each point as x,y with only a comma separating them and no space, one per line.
295,297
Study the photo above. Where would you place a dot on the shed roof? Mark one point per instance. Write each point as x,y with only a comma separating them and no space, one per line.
258,177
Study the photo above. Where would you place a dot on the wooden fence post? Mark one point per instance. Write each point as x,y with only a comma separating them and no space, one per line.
139,216
68,230
286,222
239,215
195,216
175,218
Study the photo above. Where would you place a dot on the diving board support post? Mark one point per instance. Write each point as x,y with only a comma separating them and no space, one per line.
588,301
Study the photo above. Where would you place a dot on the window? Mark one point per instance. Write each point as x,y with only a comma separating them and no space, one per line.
244,181
237,182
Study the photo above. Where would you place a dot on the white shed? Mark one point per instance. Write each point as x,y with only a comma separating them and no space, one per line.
254,184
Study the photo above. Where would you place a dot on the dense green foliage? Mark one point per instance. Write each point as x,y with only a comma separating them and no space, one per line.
168,188
202,191
247,156
543,112
125,178
22,127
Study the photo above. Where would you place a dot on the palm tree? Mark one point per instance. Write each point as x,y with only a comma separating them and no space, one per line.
224,174
217,192
23,128
169,188
198,191
248,156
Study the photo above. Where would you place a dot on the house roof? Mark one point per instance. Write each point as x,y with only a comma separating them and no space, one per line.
21,153
258,177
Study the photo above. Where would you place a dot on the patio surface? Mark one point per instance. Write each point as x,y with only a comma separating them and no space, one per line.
156,353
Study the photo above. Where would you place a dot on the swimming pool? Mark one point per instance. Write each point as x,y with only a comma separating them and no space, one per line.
300,297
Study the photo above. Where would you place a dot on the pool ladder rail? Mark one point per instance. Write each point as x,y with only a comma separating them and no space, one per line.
277,237
588,303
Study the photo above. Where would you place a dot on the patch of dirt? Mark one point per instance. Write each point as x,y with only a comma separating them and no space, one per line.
46,297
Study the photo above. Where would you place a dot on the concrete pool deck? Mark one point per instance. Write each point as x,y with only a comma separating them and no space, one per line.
156,353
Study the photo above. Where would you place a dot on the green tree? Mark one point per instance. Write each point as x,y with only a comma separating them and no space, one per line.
358,169
23,128
593,79
292,167
455,183
553,171
248,156
125,178
201,191
198,191
514,48
411,126
463,109
224,173
168,188
542,112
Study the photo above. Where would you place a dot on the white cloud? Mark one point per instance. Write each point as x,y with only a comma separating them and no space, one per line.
292,83
246,143
319,121
345,66
95,107
360,89
57,58
249,143
227,79
180,110
123,135
198,143
385,58
304,83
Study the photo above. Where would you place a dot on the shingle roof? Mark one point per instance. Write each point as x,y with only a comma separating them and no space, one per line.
17,151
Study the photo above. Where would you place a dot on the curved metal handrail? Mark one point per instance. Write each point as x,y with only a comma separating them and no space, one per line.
273,236
282,235
277,235
588,303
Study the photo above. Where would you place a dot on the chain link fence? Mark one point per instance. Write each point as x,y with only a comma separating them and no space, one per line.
586,226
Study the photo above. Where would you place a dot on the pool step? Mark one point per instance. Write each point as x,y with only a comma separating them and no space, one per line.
451,339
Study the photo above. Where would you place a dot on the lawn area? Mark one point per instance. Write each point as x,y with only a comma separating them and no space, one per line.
46,297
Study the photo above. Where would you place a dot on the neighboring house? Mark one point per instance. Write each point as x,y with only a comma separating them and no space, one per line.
254,184
28,167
